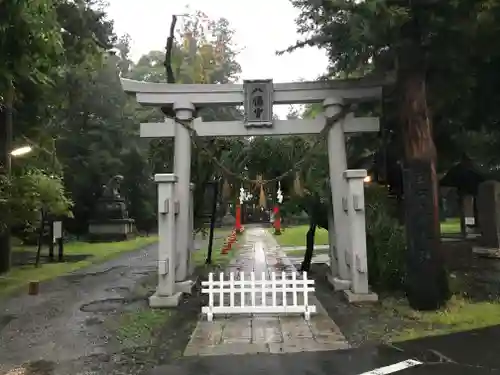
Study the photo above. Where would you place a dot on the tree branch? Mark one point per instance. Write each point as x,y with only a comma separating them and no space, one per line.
316,40
168,52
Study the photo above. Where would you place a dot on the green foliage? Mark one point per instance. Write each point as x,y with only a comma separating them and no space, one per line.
97,131
139,189
385,241
202,53
366,37
30,40
139,327
273,156
69,103
61,42
25,196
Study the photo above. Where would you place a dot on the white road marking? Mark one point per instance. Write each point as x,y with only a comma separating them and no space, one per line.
393,368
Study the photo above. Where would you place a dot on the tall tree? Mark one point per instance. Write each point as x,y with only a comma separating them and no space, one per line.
202,53
30,42
49,48
426,45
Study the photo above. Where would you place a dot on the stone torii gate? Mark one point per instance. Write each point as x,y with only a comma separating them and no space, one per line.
348,256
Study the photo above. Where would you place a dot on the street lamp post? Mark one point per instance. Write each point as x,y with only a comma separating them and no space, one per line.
20,151
5,164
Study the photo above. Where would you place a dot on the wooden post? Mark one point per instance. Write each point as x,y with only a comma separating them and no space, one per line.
60,249
215,186
51,238
5,169
277,220
463,228
33,288
237,226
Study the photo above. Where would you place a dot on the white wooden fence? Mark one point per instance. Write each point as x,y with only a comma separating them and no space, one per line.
247,295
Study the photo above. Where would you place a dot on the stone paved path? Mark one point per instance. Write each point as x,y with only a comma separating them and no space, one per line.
320,258
295,248
239,334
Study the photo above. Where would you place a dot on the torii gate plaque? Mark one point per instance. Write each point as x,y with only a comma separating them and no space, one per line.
258,103
348,256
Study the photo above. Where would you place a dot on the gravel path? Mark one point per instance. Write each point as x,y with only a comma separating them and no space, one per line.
63,323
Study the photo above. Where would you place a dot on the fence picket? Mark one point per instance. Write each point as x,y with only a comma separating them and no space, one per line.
255,305
242,292
273,288
283,288
294,289
252,287
263,290
221,289
231,289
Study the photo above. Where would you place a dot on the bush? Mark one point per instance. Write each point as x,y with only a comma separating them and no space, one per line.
385,240
23,197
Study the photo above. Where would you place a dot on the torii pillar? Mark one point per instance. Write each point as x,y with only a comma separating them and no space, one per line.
184,111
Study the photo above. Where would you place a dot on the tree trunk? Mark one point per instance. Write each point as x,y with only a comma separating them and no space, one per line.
40,238
427,283
5,168
463,228
306,263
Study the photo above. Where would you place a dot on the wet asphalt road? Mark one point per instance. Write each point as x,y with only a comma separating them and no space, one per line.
466,361
60,325
467,353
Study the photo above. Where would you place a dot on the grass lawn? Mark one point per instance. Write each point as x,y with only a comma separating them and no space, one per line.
460,314
19,277
139,327
296,236
450,226
218,260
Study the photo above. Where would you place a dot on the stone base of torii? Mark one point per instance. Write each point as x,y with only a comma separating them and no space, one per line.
349,271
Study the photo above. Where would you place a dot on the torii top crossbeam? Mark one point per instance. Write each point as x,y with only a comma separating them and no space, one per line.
159,94
258,98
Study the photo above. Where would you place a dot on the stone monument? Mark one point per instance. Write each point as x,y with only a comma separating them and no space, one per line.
111,221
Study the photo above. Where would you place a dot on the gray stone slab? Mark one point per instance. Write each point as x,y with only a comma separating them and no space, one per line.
360,297
159,301
266,330
293,327
323,325
237,330
205,334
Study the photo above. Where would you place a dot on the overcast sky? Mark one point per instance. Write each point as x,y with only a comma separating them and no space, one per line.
261,27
